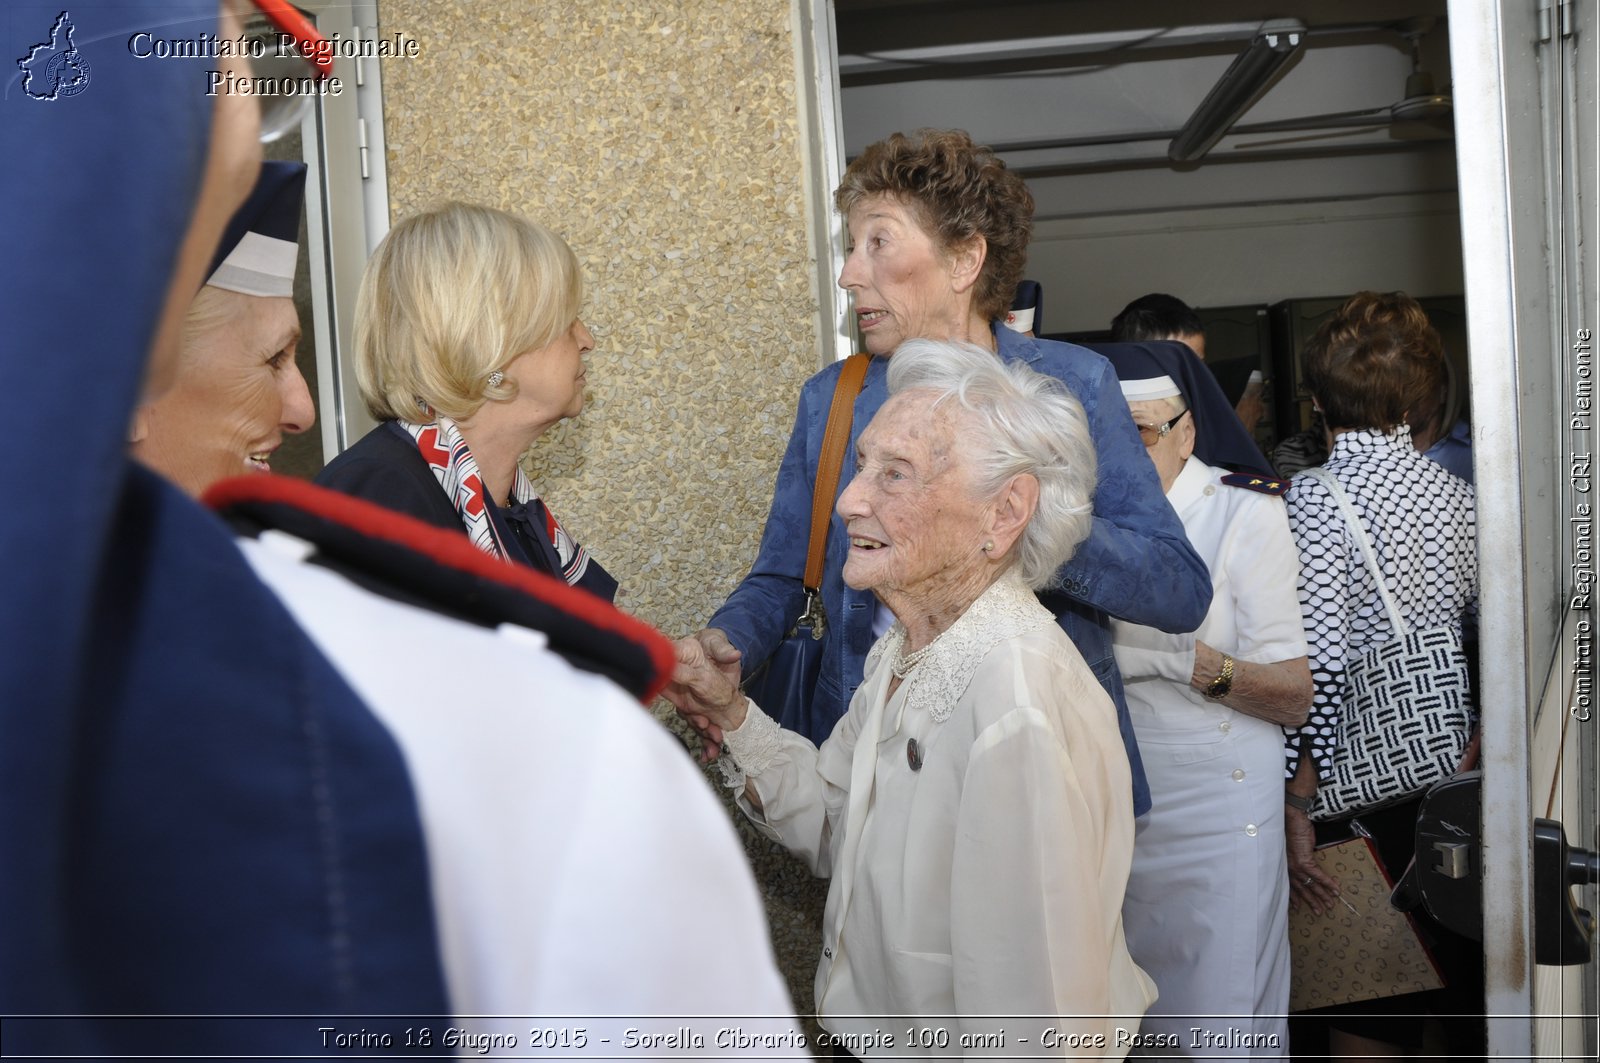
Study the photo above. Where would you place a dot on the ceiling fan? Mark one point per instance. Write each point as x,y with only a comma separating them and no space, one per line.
1423,113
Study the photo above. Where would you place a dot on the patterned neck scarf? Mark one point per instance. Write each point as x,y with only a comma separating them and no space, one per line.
453,465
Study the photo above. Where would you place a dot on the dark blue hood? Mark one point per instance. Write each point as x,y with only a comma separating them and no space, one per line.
197,815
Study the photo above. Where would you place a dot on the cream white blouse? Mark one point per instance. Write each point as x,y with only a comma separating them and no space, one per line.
978,831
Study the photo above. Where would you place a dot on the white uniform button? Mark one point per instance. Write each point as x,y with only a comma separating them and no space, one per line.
1238,775
1224,726
1211,490
1250,829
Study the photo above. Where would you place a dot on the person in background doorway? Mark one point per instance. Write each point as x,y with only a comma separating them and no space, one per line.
1305,449
1438,430
1453,450
1027,309
1208,902
1159,316
1368,366
238,390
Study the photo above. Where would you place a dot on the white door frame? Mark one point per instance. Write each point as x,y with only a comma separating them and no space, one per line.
822,149
1529,292
347,213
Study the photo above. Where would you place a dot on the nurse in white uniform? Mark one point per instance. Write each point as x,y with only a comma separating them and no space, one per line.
1206,911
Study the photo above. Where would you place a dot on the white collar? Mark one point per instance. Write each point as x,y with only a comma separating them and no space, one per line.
1192,481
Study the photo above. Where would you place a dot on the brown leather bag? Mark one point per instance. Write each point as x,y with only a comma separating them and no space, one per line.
784,683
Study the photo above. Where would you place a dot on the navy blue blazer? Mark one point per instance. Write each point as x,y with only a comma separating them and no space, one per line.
385,467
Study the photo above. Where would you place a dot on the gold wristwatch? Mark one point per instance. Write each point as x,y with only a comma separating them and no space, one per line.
1218,688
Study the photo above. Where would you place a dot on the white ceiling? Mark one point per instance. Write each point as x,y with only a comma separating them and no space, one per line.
1124,75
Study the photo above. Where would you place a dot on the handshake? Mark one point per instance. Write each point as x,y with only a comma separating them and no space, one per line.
705,688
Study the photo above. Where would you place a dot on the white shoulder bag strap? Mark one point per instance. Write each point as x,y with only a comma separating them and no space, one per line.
1328,480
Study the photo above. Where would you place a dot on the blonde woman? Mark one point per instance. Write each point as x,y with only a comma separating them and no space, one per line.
468,348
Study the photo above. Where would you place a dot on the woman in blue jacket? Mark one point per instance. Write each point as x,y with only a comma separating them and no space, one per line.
938,234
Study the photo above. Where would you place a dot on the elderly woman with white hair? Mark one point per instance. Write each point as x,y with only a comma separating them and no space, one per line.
971,807
468,349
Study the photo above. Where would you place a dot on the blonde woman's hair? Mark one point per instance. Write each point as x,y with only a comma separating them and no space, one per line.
450,296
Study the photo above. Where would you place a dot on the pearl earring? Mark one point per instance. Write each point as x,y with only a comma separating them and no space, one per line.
988,546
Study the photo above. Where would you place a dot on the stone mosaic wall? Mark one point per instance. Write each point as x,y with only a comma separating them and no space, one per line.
661,141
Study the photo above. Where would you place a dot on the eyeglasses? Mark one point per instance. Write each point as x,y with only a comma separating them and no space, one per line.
1152,434
278,24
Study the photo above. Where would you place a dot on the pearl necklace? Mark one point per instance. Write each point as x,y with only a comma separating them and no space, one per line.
903,663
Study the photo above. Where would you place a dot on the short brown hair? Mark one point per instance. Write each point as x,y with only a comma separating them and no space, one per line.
1374,361
959,190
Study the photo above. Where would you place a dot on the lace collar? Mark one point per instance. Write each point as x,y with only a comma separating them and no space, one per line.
1004,611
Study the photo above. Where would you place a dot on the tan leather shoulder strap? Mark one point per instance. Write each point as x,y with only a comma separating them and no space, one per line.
829,463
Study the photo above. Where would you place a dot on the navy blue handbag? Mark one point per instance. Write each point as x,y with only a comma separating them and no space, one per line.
784,684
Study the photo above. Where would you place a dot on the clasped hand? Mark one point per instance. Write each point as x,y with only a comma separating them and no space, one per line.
705,688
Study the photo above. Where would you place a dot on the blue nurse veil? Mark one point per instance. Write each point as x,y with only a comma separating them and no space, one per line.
198,815
1220,437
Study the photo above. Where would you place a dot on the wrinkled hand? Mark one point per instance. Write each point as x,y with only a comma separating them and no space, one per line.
1207,666
705,688
721,652
1308,883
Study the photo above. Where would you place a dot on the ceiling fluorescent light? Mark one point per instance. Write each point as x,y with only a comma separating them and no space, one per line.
1246,80
1001,51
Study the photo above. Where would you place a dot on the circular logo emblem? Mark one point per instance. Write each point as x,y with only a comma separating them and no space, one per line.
67,74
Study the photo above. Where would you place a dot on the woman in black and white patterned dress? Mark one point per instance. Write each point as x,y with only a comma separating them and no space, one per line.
1370,364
